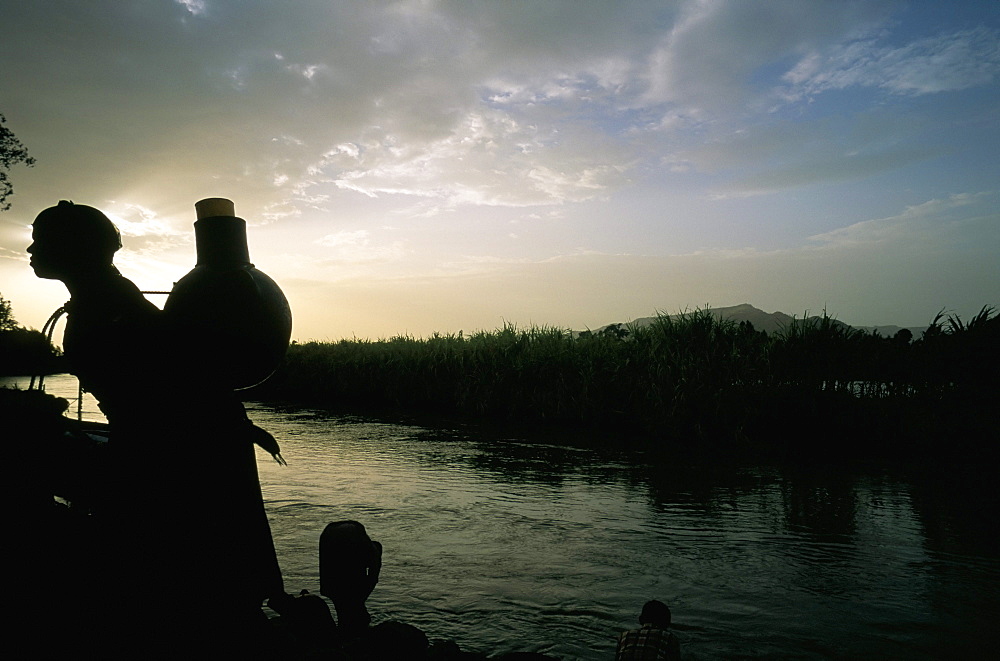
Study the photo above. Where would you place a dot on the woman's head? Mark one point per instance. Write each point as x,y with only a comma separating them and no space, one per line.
72,239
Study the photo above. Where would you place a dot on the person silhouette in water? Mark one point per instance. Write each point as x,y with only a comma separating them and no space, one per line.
349,566
178,508
653,640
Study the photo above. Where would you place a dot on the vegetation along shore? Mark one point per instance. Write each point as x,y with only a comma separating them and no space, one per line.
686,383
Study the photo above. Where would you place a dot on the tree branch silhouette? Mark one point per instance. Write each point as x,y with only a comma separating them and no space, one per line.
12,152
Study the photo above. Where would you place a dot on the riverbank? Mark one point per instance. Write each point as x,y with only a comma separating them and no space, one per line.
26,351
694,385
689,386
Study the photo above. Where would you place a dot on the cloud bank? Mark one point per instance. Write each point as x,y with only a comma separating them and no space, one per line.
462,103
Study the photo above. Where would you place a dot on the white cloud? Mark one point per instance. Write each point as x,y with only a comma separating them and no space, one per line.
488,159
196,7
963,221
144,232
945,62
707,59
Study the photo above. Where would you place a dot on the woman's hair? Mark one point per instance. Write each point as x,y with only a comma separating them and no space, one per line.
86,228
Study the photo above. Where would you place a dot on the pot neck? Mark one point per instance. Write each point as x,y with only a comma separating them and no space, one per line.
221,241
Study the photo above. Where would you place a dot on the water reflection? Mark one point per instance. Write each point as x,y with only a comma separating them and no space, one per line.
507,545
820,505
956,509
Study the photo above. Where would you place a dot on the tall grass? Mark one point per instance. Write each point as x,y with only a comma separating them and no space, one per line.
693,375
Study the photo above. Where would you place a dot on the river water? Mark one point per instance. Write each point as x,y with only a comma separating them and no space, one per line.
504,545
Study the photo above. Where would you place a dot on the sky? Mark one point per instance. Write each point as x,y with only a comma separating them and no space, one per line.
428,166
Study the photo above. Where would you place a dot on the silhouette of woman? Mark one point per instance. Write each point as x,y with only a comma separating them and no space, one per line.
178,503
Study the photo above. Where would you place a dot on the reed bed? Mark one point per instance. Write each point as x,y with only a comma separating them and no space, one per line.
692,375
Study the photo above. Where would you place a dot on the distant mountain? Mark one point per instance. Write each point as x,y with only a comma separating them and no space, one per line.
773,321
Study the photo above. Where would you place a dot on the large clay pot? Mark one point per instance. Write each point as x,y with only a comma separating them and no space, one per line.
235,317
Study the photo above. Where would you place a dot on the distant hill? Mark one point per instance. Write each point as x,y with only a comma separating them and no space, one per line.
772,321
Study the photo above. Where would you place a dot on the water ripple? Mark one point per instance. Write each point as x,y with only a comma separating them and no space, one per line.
511,546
